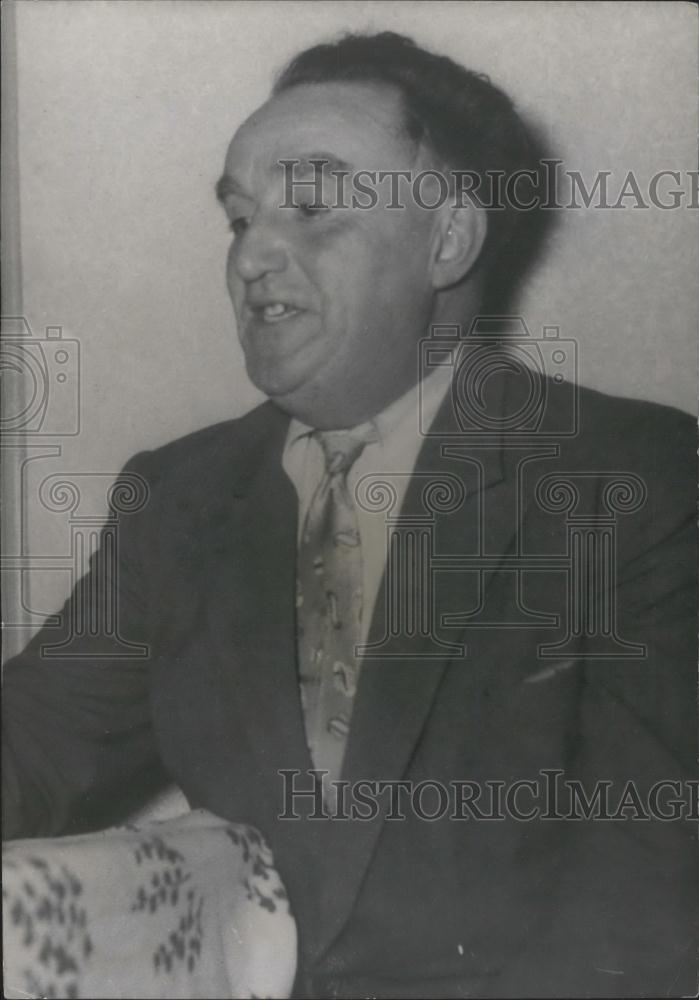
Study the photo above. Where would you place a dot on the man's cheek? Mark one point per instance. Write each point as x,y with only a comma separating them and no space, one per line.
336,232
335,261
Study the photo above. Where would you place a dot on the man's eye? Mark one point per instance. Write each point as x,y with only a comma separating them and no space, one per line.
313,210
239,225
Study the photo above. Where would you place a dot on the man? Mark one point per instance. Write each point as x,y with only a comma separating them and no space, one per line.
284,636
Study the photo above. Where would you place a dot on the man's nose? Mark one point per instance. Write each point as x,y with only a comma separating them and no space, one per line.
259,250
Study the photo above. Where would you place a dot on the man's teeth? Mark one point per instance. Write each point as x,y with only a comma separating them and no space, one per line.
275,310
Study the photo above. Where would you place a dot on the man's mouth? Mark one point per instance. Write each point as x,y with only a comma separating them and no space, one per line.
274,312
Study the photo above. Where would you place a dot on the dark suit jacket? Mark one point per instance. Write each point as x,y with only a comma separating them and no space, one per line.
409,907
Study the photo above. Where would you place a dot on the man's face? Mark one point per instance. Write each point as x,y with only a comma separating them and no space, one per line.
330,303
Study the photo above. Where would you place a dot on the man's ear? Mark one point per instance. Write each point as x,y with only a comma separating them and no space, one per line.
459,240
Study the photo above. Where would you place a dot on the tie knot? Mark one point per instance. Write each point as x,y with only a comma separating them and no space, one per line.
341,449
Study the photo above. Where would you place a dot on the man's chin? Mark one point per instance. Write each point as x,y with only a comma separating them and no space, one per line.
307,397
302,402
316,410
281,388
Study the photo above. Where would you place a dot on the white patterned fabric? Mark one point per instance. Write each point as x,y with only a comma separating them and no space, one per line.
191,907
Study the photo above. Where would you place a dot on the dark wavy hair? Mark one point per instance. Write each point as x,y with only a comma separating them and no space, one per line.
467,121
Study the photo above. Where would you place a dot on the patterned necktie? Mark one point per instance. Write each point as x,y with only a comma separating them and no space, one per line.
329,606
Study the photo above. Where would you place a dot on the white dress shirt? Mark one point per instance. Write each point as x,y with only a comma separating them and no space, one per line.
394,449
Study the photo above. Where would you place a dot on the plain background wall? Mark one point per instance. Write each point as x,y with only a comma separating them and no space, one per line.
125,111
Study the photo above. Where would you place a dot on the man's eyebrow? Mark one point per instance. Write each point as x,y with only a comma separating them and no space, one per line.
226,186
329,161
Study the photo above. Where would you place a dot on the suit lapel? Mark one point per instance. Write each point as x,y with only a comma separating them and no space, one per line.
251,529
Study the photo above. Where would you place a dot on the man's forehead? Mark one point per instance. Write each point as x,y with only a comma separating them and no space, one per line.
346,122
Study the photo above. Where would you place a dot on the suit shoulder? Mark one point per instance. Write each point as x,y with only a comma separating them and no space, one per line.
598,406
651,441
187,456
614,428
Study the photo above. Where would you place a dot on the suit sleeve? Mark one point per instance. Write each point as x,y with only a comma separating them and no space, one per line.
655,599
77,733
625,889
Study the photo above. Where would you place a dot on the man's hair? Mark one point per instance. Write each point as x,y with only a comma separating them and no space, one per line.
468,122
